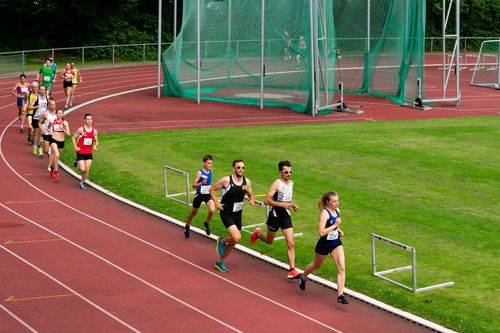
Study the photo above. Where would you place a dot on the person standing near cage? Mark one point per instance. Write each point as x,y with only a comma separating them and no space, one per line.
301,53
330,243
20,91
67,74
279,197
286,48
48,76
234,188
77,78
202,182
85,141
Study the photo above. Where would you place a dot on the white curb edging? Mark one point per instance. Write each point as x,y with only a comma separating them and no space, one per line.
241,248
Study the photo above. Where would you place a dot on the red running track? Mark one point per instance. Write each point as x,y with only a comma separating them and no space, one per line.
78,261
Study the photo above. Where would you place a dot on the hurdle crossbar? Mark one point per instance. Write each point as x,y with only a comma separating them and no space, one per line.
412,267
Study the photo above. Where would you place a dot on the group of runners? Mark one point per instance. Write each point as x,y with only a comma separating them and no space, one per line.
279,198
46,126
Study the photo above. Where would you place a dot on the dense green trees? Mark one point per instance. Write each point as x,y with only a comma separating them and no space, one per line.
31,24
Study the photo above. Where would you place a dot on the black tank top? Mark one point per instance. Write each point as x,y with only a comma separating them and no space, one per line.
233,196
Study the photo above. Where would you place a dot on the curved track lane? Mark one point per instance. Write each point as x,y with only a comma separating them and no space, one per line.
79,261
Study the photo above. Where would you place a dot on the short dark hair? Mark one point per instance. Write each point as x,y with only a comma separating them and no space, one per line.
22,75
86,115
283,164
207,157
237,161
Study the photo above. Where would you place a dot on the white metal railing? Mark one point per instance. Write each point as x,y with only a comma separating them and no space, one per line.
26,60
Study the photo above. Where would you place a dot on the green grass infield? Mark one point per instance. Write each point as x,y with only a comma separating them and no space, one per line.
432,184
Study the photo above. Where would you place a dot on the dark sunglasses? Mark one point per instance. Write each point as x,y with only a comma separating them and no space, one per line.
287,172
240,167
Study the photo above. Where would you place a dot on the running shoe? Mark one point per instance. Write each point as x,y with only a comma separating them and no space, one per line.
293,274
21,129
186,231
254,236
207,228
302,283
342,300
82,186
29,138
34,151
221,267
40,153
51,171
56,176
220,246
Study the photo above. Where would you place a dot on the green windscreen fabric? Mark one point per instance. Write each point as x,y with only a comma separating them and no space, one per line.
300,57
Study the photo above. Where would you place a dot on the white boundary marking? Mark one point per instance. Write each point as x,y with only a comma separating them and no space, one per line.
327,283
13,315
111,264
64,285
146,242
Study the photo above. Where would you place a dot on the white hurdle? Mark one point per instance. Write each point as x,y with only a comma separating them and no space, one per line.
186,194
412,267
256,225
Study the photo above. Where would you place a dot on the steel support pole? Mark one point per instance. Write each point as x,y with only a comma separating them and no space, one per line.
262,52
457,61
158,91
312,60
198,51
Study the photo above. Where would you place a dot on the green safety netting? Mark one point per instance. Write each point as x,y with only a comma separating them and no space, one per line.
306,47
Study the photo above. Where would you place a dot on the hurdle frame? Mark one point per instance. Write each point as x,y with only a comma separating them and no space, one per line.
412,267
167,168
260,203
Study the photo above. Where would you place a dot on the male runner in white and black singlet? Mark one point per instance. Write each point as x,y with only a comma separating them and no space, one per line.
279,197
234,188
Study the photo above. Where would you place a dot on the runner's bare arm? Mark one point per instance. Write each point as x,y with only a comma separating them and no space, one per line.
251,197
96,140
196,181
74,138
222,183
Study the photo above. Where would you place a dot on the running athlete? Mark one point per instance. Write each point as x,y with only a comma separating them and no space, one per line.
279,197
58,128
37,133
67,74
77,78
32,106
84,140
301,52
234,188
48,73
45,119
330,243
21,91
201,183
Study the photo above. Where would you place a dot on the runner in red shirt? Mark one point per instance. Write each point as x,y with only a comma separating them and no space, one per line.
58,128
85,140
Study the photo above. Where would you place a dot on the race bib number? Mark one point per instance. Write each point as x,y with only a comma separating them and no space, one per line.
46,78
69,76
58,127
237,206
87,141
205,189
333,235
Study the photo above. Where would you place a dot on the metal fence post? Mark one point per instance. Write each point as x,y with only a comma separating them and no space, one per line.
23,60
113,55
83,56
143,52
53,55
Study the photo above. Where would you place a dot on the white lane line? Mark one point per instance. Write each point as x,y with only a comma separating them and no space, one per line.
147,243
121,269
38,269
22,322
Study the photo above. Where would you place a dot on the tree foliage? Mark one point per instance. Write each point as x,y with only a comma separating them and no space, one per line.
32,24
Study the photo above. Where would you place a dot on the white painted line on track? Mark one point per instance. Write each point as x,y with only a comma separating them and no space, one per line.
258,255
123,270
13,315
147,243
83,298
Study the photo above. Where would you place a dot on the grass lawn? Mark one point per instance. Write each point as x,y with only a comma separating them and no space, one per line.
432,184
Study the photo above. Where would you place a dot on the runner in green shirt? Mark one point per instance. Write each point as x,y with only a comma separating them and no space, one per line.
48,74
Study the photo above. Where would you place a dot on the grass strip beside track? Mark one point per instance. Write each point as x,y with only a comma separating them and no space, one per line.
431,184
